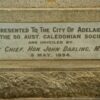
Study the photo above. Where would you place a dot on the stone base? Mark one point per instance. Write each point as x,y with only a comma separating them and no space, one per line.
50,84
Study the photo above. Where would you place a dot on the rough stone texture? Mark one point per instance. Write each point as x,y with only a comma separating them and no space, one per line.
50,84
49,3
